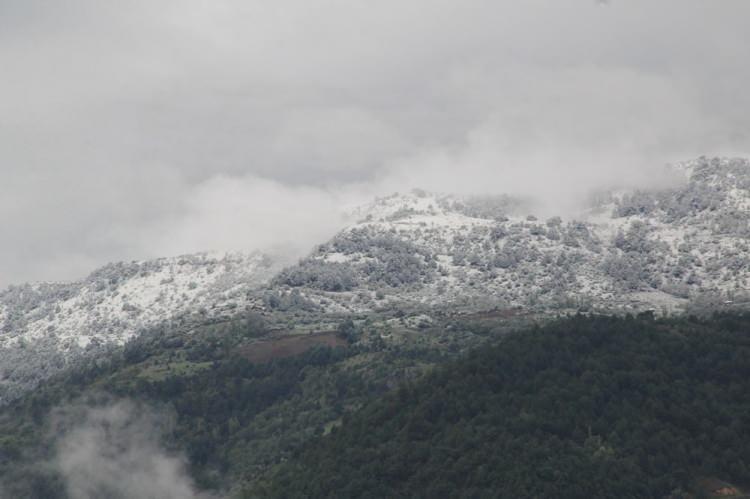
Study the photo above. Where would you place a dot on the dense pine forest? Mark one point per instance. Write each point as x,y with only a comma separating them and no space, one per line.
584,406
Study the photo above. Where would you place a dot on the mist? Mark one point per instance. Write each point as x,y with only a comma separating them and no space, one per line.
114,451
156,128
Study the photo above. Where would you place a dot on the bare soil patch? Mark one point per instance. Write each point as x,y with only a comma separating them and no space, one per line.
289,346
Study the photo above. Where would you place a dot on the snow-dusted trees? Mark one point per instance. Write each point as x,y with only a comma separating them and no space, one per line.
372,257
634,262
288,302
635,203
626,270
635,239
318,274
487,207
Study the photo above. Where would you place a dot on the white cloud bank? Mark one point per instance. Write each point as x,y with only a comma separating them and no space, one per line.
149,128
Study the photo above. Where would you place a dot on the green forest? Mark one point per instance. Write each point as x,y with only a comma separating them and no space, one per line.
584,406
233,419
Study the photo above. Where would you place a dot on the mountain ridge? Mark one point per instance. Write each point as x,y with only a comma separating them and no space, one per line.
663,250
670,243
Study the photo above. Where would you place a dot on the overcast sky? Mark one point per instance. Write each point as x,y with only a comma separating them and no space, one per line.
143,128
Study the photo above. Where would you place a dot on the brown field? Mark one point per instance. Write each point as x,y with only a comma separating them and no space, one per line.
288,346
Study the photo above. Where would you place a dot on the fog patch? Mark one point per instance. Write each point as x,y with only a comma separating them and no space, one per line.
114,451
249,213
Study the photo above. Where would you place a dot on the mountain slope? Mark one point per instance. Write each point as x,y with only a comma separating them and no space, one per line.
631,250
46,325
422,254
586,407
232,413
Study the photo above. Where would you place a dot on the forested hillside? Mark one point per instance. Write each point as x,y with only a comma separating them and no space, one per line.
678,250
586,407
580,407
233,398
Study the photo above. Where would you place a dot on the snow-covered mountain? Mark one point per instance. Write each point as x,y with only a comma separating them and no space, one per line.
117,300
630,250
664,250
45,325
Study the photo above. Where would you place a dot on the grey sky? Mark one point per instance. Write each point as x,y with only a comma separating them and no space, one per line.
155,127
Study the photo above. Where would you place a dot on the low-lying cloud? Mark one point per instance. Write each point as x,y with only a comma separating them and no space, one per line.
162,127
113,451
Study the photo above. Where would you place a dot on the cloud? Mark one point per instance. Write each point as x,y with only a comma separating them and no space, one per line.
541,142
121,124
113,451
252,212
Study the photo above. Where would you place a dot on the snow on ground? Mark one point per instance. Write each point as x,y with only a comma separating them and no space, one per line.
689,240
509,257
118,300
